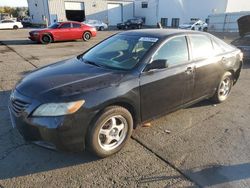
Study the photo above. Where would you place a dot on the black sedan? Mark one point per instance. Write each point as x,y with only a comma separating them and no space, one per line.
135,23
95,100
243,43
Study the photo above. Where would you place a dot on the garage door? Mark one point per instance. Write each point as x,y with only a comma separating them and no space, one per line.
75,11
74,6
114,13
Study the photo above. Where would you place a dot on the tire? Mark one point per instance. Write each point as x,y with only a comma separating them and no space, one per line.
46,39
106,137
193,28
139,26
224,88
86,36
15,27
125,27
205,29
101,28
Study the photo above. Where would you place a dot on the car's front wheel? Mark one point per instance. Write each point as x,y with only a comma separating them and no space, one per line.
110,132
101,28
86,36
224,88
46,39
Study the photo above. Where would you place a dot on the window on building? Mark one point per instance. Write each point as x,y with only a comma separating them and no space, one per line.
201,46
75,25
175,22
66,25
164,22
144,4
175,51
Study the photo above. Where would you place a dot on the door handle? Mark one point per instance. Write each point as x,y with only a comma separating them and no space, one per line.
223,60
189,70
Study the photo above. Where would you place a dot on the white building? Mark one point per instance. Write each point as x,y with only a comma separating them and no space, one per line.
109,11
171,13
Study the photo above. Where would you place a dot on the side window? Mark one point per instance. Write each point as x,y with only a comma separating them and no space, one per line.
217,48
175,51
75,25
66,25
202,46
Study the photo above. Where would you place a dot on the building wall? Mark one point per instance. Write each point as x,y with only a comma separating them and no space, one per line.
127,9
187,9
183,9
238,5
150,13
38,10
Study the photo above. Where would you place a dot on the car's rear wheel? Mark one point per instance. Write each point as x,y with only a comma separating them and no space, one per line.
110,132
139,26
46,39
205,29
86,36
224,89
101,28
15,27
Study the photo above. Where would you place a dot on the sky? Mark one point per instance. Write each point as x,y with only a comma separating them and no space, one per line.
14,3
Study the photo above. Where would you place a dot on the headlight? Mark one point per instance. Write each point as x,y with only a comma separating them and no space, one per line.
58,109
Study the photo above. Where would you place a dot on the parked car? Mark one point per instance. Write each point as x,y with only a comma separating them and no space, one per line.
135,23
63,31
243,42
197,25
26,22
96,99
99,25
10,24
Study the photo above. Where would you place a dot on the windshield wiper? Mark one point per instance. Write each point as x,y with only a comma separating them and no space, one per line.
91,63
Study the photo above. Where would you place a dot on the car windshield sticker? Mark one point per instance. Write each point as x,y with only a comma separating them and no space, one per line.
148,39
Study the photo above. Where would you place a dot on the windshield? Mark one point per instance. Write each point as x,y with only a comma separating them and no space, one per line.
54,26
119,52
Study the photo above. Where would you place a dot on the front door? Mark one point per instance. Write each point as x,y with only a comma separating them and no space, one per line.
164,90
63,32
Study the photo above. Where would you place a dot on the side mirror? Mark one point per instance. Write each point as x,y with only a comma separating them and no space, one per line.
157,64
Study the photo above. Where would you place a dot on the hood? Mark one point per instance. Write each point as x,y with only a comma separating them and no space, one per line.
67,78
244,25
38,30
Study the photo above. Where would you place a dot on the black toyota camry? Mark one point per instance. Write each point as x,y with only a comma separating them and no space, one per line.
96,99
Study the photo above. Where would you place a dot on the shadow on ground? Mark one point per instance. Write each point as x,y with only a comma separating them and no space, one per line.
18,158
208,176
18,42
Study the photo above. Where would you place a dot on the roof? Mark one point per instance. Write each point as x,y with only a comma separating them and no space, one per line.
157,33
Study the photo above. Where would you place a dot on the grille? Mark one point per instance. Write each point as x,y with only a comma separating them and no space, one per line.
18,106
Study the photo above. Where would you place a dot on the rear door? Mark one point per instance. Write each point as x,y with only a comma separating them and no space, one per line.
76,31
207,65
166,89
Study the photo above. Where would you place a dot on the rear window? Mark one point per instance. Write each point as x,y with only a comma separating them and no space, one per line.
202,46
66,25
75,25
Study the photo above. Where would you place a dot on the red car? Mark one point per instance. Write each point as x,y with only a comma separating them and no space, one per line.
63,31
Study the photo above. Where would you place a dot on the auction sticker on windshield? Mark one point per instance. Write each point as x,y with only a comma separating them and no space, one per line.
148,39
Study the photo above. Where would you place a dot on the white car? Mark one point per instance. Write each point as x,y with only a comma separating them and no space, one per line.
10,24
99,25
198,25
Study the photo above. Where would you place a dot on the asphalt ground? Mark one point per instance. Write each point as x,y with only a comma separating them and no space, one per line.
204,145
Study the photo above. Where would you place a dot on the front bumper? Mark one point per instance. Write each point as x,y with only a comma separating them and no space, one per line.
65,133
34,38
